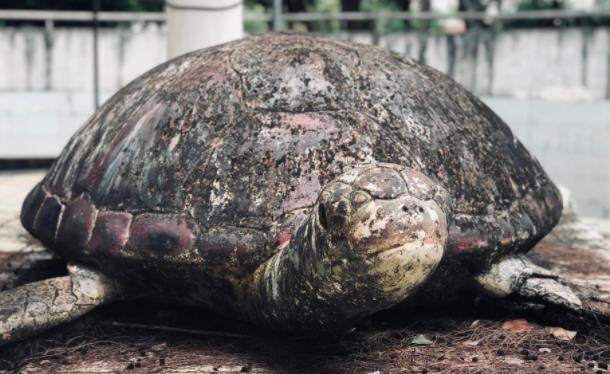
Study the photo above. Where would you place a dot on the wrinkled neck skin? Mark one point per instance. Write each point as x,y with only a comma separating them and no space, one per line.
302,282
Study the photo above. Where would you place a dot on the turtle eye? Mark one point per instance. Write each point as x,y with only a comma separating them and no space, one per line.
359,197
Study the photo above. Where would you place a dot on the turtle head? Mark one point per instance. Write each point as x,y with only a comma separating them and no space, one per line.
384,219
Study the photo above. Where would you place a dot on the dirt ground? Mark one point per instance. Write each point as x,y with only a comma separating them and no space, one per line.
460,343
469,340
474,337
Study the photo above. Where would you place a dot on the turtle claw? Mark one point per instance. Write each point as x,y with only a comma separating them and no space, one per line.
551,291
530,283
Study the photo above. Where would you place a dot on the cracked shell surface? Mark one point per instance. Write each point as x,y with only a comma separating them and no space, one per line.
230,145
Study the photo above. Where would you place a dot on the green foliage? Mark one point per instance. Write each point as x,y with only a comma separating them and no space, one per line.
255,27
384,5
533,5
327,6
377,5
603,4
525,5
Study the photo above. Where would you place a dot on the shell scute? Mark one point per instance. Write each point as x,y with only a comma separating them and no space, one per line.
31,205
158,235
237,248
47,219
110,233
76,226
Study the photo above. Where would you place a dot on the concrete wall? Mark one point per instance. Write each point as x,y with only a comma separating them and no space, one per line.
537,63
33,59
530,63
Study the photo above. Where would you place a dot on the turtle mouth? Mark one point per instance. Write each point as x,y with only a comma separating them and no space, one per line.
390,250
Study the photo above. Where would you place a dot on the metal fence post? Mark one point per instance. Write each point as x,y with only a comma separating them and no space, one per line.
96,79
49,24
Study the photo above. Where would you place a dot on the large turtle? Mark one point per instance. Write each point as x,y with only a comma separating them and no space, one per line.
290,180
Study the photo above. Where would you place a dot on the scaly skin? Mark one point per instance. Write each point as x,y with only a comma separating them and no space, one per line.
35,307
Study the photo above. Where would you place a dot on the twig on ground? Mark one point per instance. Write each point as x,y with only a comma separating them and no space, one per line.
178,329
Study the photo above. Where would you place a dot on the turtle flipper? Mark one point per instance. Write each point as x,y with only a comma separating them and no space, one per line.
530,283
31,308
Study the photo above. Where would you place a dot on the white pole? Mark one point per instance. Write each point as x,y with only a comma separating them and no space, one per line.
278,23
195,24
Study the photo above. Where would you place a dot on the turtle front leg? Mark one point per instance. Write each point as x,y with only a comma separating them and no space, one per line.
29,309
375,234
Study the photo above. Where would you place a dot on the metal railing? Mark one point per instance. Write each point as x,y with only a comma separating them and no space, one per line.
79,16
85,16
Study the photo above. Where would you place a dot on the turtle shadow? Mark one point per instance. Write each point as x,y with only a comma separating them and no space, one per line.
153,337
235,345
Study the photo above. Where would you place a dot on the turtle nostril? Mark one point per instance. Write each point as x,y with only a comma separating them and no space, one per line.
405,208
322,216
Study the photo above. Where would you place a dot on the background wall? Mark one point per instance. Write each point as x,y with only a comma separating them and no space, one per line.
569,63
550,85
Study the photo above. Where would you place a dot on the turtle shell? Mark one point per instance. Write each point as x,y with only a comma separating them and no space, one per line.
215,154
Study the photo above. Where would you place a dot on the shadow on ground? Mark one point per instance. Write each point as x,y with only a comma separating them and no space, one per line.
465,339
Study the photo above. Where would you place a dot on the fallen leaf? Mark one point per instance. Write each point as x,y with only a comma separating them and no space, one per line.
518,325
471,343
159,347
513,361
544,350
421,339
475,323
561,333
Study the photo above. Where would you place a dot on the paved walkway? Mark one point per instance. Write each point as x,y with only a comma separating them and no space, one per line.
14,187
